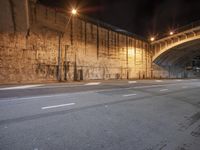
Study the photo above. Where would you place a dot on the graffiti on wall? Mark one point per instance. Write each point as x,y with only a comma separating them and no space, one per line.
47,71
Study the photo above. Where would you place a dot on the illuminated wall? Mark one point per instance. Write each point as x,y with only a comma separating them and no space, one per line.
85,49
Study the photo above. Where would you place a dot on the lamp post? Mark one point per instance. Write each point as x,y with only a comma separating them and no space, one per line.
73,13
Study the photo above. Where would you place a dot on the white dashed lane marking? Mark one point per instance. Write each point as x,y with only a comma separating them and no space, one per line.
149,86
184,87
131,82
56,106
20,87
179,80
93,83
128,95
159,80
163,90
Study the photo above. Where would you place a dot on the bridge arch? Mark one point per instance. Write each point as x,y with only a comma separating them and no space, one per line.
186,44
174,54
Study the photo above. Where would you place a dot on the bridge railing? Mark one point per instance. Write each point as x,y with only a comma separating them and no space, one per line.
181,29
187,27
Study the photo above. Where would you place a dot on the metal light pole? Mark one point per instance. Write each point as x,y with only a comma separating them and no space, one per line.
59,58
66,63
73,13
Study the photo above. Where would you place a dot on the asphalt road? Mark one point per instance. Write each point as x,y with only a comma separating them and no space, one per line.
109,115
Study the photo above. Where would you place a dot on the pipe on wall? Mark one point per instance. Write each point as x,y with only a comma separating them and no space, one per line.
27,17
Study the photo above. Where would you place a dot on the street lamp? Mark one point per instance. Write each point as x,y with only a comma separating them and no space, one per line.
73,13
152,39
171,32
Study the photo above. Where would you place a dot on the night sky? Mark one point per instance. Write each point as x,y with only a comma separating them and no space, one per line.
142,17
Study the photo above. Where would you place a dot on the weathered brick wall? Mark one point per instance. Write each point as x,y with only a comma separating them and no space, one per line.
27,59
87,50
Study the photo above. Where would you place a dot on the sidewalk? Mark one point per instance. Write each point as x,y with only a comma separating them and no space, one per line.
88,82
61,83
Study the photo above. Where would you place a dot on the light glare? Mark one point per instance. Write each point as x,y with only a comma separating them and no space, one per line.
74,11
152,39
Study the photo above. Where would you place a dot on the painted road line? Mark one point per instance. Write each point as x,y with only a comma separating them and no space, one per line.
20,87
93,83
131,82
184,87
149,86
80,93
193,79
128,95
179,80
60,86
69,95
159,80
57,106
163,90
25,98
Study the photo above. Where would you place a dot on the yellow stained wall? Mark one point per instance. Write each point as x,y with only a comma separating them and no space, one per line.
82,50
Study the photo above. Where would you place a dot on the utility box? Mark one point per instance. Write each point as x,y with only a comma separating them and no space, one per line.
80,75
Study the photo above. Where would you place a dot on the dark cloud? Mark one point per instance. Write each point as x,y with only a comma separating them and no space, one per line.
142,17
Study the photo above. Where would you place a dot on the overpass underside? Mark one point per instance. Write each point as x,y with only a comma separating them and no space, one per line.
181,61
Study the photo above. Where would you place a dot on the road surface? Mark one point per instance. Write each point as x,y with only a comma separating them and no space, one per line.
109,115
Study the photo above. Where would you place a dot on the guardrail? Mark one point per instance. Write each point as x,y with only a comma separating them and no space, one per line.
179,30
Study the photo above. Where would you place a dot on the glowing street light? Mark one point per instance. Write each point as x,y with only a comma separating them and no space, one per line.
171,32
152,39
74,11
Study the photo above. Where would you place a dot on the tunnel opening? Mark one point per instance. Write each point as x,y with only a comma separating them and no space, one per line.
181,61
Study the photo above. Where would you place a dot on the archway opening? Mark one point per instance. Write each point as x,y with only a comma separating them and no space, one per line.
182,61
